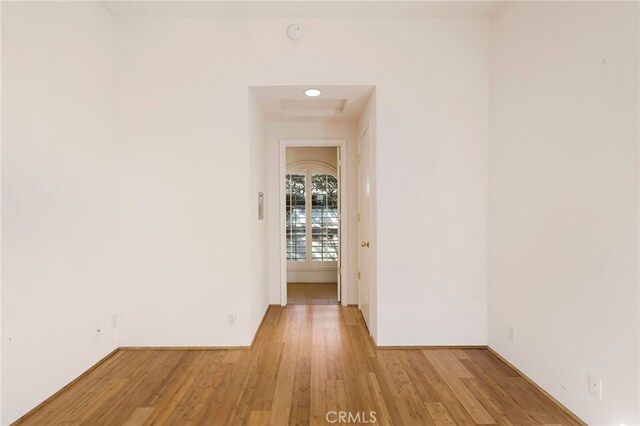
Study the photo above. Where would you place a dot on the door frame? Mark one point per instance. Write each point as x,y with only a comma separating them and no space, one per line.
344,251
367,276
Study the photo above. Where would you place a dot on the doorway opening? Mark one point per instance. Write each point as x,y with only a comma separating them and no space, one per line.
314,197
311,259
312,210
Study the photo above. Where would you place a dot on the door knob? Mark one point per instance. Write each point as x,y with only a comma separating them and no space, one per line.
364,244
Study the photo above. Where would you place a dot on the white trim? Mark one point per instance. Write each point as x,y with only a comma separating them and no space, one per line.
344,252
293,167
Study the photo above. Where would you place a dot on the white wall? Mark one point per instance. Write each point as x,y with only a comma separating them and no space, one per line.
431,170
60,245
312,275
258,234
1,298
276,132
563,201
326,155
184,121
183,108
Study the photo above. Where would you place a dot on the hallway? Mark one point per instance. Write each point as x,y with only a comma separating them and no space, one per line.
306,361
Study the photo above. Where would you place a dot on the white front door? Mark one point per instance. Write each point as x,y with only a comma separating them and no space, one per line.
364,205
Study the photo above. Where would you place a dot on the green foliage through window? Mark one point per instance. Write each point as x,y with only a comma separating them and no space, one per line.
296,218
312,214
324,217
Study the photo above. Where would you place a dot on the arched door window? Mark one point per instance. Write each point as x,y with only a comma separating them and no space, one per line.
312,214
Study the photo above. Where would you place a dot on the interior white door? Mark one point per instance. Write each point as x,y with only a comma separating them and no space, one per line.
364,207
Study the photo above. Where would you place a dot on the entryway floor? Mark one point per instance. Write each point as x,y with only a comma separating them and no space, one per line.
312,293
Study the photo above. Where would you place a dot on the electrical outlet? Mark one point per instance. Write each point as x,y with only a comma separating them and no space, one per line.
114,321
511,333
231,319
595,386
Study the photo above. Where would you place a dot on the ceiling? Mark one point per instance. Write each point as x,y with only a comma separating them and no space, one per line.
302,9
335,104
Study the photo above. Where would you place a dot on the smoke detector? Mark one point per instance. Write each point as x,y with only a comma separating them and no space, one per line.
294,32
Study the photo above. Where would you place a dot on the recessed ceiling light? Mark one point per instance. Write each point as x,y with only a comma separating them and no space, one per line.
312,92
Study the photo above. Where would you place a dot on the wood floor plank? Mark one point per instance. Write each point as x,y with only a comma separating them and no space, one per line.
139,416
450,373
382,411
438,412
312,293
500,394
283,393
431,378
402,391
307,360
259,418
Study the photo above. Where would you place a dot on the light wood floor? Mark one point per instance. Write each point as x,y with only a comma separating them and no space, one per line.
312,293
306,361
